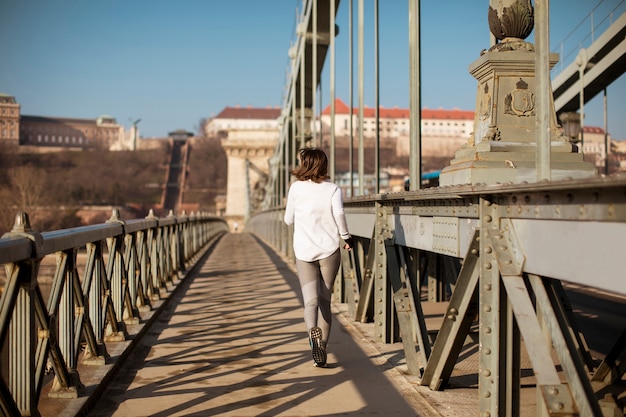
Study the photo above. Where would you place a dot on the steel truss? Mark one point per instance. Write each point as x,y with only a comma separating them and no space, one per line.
516,244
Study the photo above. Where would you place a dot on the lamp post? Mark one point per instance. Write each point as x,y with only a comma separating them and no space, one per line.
135,134
581,61
570,121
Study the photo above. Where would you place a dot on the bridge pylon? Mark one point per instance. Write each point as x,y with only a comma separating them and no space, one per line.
503,147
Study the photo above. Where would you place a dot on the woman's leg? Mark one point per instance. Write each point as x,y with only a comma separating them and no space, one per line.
328,268
309,276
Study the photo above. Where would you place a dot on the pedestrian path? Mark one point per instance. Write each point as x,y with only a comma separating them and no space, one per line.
232,342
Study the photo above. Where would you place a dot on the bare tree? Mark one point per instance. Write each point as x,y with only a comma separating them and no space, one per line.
27,184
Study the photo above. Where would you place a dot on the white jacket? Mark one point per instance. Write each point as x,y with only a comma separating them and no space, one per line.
316,210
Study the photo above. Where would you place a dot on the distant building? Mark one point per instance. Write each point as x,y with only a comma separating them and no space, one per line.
243,118
593,145
61,132
9,119
249,136
443,131
102,132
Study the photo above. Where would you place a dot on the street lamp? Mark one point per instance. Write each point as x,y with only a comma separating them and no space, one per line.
570,121
135,134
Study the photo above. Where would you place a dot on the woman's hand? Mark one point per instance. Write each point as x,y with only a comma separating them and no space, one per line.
349,243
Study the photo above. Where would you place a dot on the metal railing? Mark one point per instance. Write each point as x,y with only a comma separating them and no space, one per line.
104,277
497,256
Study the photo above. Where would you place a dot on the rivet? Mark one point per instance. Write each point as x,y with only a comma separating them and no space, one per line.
488,330
487,287
487,351
488,265
487,372
487,394
488,249
487,308
487,219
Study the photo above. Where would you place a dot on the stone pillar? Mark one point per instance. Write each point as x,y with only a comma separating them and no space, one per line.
248,155
503,145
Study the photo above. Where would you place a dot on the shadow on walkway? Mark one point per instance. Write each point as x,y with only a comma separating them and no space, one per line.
232,342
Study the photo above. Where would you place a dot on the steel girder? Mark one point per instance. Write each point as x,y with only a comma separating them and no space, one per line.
516,243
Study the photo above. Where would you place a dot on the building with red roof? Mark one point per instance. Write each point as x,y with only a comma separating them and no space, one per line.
443,131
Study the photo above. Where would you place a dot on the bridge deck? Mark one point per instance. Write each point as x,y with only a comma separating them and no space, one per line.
231,341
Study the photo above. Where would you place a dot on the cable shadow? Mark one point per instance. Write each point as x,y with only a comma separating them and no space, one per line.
233,340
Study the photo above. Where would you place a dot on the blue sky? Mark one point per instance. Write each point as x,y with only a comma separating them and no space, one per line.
174,63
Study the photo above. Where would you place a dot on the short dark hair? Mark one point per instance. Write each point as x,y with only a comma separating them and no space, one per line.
313,165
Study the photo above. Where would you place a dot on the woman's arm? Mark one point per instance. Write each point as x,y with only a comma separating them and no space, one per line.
289,209
339,215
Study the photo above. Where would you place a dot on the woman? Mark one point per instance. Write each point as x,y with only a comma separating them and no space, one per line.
315,208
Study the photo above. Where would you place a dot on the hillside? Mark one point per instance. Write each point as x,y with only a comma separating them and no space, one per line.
52,186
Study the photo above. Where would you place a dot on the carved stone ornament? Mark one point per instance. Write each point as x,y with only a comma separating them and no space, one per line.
511,18
521,101
484,110
493,134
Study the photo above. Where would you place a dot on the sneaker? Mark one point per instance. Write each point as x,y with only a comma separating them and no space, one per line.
318,352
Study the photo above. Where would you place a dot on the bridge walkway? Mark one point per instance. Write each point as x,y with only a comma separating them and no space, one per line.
231,342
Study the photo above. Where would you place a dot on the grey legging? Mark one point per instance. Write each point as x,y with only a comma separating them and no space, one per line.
316,280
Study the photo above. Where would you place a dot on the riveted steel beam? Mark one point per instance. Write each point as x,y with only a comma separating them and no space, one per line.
459,317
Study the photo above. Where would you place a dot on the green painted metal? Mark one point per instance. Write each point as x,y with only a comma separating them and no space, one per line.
144,256
458,319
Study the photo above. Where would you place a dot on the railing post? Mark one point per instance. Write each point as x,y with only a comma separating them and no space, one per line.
19,292
23,338
383,308
66,268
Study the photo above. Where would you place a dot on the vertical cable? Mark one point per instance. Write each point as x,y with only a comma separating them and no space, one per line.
361,65
314,80
351,94
377,100
415,100
543,90
333,7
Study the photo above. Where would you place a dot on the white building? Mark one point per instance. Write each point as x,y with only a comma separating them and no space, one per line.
443,131
249,136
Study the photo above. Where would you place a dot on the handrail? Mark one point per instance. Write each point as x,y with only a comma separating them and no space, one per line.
127,265
478,250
